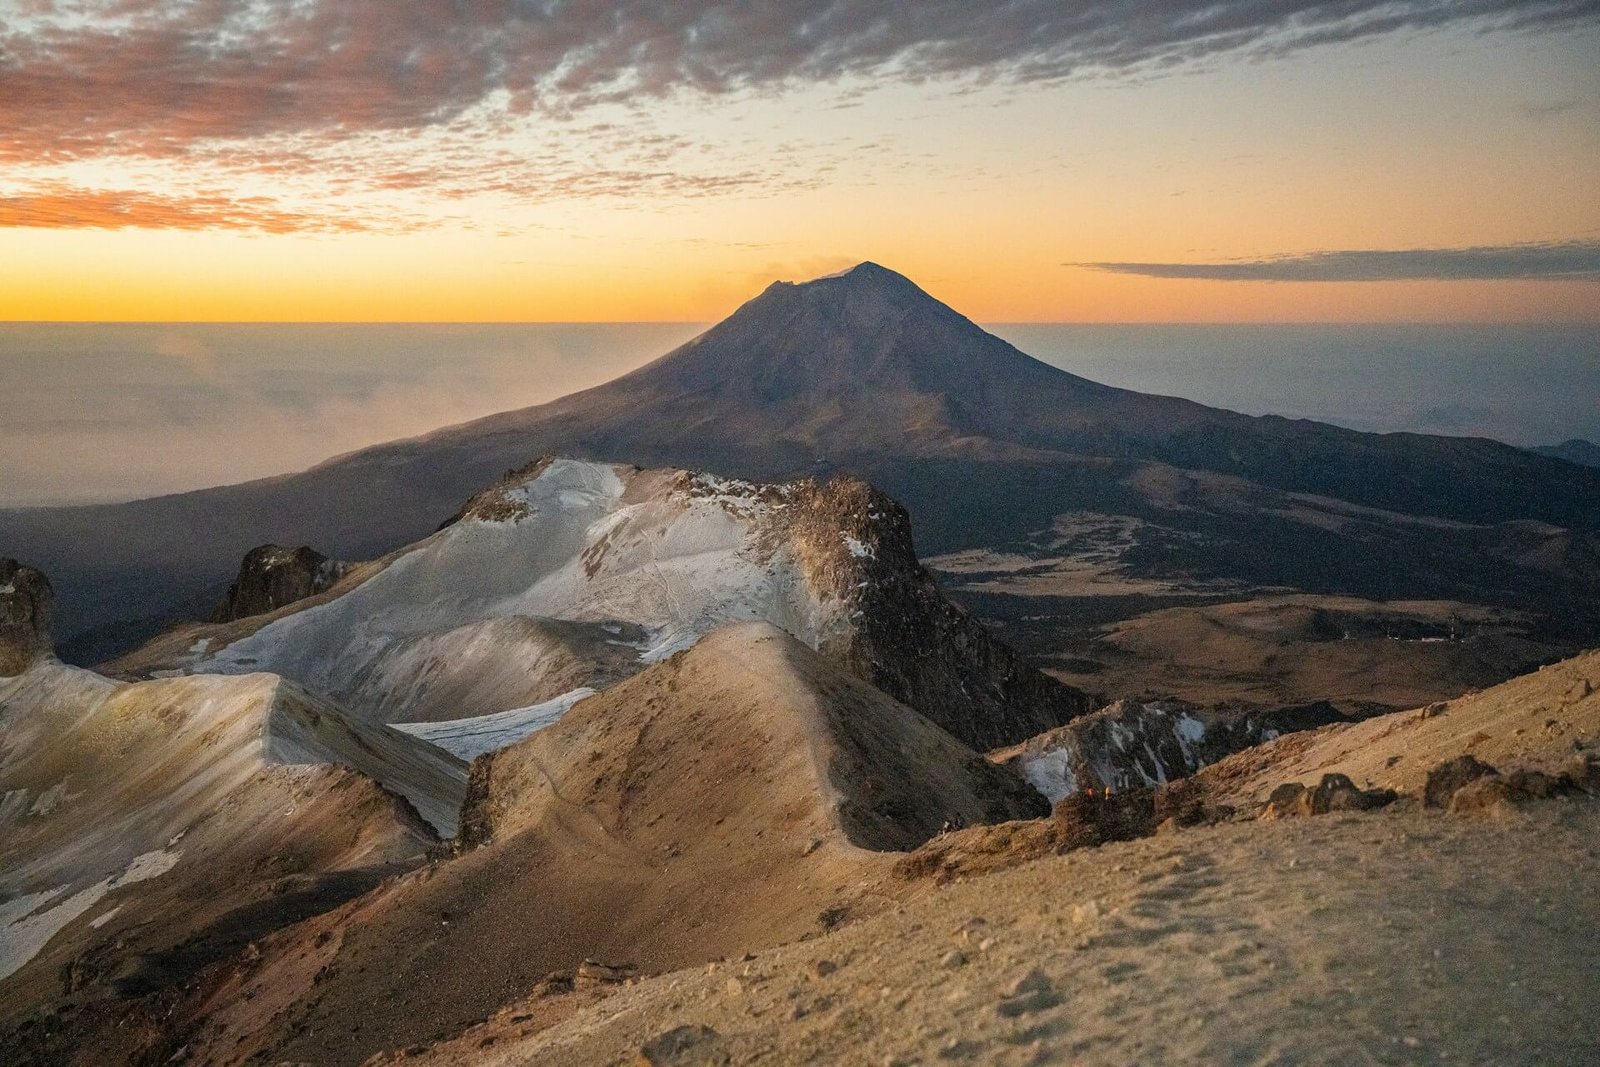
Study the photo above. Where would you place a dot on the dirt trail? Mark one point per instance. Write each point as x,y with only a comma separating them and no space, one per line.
1401,937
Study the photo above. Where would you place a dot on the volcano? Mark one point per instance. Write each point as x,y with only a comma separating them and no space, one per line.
988,448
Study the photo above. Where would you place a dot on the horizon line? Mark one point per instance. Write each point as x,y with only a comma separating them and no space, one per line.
712,322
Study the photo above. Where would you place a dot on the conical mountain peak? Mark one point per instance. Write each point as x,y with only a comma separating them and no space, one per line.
864,279
868,333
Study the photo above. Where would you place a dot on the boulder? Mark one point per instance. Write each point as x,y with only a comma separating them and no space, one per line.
1451,775
25,600
1492,792
1335,792
271,576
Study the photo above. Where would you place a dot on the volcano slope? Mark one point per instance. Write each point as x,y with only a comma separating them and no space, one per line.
733,796
567,576
991,451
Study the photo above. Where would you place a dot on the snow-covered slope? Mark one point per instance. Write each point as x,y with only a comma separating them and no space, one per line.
602,566
166,804
471,738
573,575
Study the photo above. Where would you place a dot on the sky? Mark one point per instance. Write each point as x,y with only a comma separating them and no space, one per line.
663,160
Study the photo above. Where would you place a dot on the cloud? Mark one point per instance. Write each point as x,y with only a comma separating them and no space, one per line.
153,77
65,207
1552,259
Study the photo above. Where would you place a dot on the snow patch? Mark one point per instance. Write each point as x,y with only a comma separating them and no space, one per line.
25,929
671,563
471,738
1050,774
1190,729
858,549
669,645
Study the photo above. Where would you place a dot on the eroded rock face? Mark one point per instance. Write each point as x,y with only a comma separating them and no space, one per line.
906,638
1128,745
272,576
25,600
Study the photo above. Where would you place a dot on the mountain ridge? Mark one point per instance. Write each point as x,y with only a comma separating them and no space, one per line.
864,372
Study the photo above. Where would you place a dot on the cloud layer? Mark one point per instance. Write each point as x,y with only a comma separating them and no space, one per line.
152,77
65,207
1556,259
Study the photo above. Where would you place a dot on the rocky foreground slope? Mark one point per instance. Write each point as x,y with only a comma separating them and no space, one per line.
1412,933
1402,937
737,795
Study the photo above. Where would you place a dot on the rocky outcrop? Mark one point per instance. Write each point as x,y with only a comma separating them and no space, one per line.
1127,744
1467,786
1335,792
25,601
1085,819
1445,779
905,637
272,576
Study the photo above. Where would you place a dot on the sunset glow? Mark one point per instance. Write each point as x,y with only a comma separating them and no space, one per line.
345,162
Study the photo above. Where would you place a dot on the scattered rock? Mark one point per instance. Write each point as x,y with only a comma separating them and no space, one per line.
553,984
1451,775
822,968
683,1046
1583,771
953,959
1031,982
1181,803
1433,710
1495,791
1083,820
593,973
1335,792
1481,795
1030,993
1086,912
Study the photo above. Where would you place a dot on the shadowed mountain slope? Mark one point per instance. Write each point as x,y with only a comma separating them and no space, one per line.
866,372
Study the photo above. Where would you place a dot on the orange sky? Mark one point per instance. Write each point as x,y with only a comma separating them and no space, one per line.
677,203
